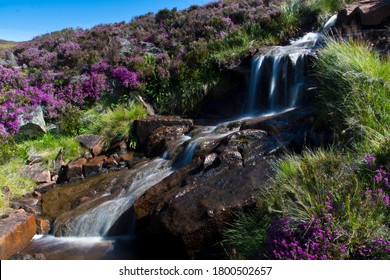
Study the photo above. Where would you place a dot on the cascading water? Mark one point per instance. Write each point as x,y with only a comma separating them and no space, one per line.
277,79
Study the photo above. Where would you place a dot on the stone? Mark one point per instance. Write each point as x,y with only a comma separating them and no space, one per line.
94,166
112,162
32,127
67,197
94,143
37,172
145,127
367,13
42,188
43,225
16,232
127,156
73,170
156,143
36,158
58,162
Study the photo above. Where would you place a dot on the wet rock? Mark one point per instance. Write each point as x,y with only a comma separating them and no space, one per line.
193,204
32,125
16,232
24,256
29,202
94,143
209,160
145,127
43,225
36,172
62,199
94,166
156,143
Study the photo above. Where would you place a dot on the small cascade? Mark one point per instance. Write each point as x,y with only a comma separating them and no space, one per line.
277,80
98,220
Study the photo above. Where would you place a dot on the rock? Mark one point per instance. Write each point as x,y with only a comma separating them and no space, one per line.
209,160
94,166
193,205
73,170
67,197
147,106
43,225
145,127
32,125
37,158
24,256
112,162
156,143
367,13
58,162
94,143
36,172
42,188
127,156
16,232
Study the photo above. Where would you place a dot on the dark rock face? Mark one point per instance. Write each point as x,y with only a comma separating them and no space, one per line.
145,127
192,205
159,140
16,232
366,13
93,142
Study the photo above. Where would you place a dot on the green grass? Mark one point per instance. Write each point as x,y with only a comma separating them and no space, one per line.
355,92
50,144
115,124
9,176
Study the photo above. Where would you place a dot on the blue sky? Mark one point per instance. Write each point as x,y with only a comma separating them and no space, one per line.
21,20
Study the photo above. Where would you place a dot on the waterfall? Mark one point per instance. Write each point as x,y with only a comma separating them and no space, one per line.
278,79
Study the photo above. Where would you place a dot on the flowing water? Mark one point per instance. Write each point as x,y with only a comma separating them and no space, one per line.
277,83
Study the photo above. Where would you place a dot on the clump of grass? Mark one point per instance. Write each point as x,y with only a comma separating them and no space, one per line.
116,124
355,90
50,144
247,234
10,178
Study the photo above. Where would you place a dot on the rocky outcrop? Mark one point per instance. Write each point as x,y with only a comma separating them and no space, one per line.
94,143
159,140
16,232
145,127
366,13
192,206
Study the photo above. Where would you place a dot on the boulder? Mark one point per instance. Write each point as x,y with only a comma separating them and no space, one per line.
69,196
156,143
367,13
16,232
73,170
145,127
37,172
42,188
32,125
94,143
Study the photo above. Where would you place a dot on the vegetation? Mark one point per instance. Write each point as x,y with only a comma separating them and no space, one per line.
332,203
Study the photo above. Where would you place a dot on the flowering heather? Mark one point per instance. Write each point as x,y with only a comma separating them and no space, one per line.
126,78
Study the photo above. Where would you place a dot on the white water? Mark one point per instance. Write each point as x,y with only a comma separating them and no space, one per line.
287,82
